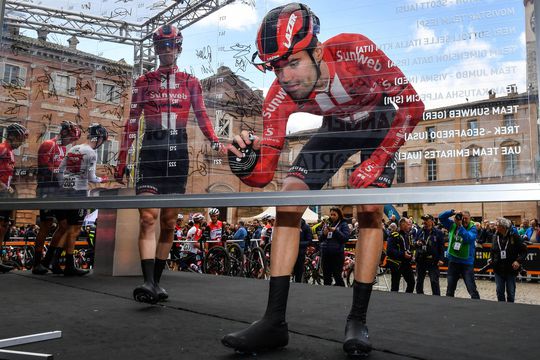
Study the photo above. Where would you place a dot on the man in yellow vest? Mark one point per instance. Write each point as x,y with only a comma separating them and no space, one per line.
461,249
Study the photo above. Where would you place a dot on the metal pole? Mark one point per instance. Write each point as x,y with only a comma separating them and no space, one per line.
535,94
2,12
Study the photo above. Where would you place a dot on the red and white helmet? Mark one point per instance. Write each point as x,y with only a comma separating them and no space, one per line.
70,129
197,217
284,31
167,36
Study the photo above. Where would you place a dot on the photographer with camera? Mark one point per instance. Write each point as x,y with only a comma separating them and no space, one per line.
508,252
399,255
429,244
462,235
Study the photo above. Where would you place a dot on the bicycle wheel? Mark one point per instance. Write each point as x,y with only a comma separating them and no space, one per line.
257,265
349,277
267,252
28,256
217,261
236,258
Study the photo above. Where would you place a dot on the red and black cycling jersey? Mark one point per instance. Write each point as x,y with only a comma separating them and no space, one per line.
50,156
361,77
165,96
7,164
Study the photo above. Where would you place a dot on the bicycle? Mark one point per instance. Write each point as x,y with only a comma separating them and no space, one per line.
255,264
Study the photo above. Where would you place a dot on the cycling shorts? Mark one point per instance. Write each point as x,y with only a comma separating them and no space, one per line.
73,216
336,141
163,163
45,192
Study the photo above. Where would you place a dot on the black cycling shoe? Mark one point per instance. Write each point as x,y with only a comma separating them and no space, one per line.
57,270
73,271
356,342
146,293
162,293
39,269
5,268
262,335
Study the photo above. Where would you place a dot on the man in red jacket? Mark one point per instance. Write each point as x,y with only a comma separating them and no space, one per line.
165,96
16,135
355,87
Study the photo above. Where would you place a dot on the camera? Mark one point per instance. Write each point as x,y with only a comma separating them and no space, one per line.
459,216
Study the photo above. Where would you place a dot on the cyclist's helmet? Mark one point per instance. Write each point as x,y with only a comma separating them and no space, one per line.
268,217
167,36
97,131
285,30
17,130
69,128
180,217
198,217
213,211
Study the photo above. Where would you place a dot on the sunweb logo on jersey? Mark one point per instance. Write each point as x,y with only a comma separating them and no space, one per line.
288,33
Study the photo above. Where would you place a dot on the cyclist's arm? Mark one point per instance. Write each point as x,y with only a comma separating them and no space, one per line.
91,159
131,127
276,110
197,102
410,110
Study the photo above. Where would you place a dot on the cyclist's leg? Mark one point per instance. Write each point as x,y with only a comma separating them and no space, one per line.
75,220
166,235
368,253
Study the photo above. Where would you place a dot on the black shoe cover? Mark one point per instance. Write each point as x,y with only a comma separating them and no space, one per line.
356,342
262,335
162,293
146,293
73,271
39,269
57,270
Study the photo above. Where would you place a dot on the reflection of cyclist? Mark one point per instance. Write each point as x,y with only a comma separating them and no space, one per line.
165,96
16,135
50,155
349,81
77,169
214,228
266,232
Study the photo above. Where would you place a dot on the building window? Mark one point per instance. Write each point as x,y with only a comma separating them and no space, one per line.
431,169
472,124
509,120
63,84
13,74
510,159
430,134
108,92
473,167
108,153
400,173
223,124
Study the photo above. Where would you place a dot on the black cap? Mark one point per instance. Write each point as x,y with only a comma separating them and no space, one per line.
427,217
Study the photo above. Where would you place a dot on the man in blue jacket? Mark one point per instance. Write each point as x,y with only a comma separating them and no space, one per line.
429,255
461,237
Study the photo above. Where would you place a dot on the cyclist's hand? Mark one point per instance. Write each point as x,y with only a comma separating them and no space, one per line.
104,178
366,173
245,139
219,147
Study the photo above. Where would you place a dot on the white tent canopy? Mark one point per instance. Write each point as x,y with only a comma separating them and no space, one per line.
90,218
309,215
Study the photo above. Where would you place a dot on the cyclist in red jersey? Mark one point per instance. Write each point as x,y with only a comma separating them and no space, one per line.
349,81
16,135
215,229
50,155
165,96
